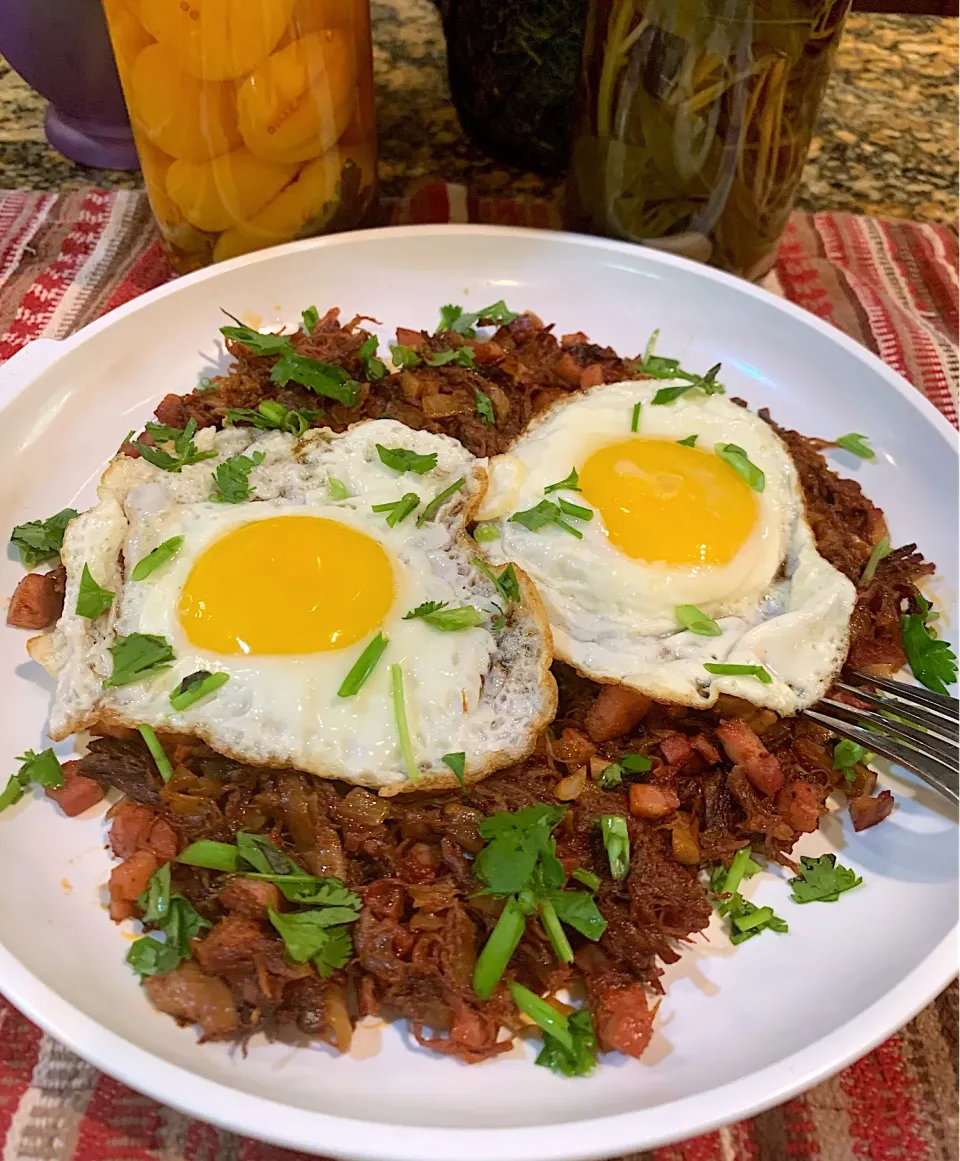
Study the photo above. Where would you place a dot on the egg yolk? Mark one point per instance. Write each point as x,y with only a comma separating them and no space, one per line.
662,501
287,584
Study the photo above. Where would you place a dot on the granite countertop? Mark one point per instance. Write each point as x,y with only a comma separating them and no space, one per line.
886,142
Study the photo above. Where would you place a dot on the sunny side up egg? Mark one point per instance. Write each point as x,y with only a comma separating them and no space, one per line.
667,523
284,591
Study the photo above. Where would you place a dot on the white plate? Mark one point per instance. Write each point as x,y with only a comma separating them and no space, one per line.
740,1029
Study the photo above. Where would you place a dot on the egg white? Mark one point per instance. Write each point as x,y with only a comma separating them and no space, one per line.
483,692
778,602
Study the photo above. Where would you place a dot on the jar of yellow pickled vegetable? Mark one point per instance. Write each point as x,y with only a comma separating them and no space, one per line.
254,119
694,121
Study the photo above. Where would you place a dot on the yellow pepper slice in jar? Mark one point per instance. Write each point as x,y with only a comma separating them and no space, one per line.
155,165
299,101
304,203
215,194
181,115
215,40
127,34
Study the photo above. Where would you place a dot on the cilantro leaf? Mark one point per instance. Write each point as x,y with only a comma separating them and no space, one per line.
92,600
579,910
232,478
571,483
253,340
484,407
311,316
822,880
309,890
172,914
515,841
261,854
326,379
138,656
153,560
847,755
210,854
42,769
335,953
312,935
149,957
690,441
449,620
455,318
462,357
880,550
506,583
338,489
932,662
401,459
399,509
185,451
457,763
403,357
736,457
612,774
41,540
578,1060
855,442
546,513
373,368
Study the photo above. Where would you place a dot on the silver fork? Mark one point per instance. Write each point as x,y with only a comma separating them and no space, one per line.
922,737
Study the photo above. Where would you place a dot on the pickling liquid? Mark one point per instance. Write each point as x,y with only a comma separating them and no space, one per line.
254,119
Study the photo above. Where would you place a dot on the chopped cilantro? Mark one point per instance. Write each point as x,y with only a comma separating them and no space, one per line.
138,656
822,880
325,379
847,755
571,483
546,513
153,560
690,441
457,763
374,368
92,600
612,774
256,342
273,416
171,914
462,357
311,316
232,478
581,1058
932,662
506,583
484,407
211,855
338,489
317,936
184,452
41,540
455,318
41,769
403,357
401,459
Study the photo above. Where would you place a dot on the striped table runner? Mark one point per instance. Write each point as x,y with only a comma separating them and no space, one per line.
67,258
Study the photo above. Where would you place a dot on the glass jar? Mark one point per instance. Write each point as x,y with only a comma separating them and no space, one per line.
694,120
254,119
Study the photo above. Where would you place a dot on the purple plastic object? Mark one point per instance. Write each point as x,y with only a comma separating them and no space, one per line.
62,49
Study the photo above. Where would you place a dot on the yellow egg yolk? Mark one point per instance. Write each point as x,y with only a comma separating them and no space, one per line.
662,501
287,584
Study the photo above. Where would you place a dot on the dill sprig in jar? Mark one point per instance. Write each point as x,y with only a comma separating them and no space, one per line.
694,121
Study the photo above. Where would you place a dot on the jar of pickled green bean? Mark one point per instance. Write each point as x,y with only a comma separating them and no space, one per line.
694,120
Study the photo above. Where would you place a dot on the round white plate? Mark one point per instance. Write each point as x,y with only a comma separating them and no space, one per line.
740,1028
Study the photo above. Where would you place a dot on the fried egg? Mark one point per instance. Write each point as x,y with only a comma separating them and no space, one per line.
671,518
284,591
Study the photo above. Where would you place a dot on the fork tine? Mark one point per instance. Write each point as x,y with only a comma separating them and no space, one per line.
938,774
916,694
929,743
944,726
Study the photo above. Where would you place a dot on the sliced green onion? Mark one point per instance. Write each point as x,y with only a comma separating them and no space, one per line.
195,687
571,483
616,839
690,441
690,617
160,555
555,933
484,533
878,552
363,667
497,951
737,459
400,714
856,442
577,511
757,918
161,759
742,866
545,1015
724,669
437,502
338,489
635,418
587,878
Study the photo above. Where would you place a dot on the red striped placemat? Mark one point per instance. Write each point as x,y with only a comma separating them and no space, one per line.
67,258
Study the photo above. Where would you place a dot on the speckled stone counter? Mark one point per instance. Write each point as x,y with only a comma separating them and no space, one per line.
887,140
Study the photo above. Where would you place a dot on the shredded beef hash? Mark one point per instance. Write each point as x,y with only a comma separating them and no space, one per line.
719,780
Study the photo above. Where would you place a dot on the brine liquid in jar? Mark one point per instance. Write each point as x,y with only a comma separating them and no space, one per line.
254,119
